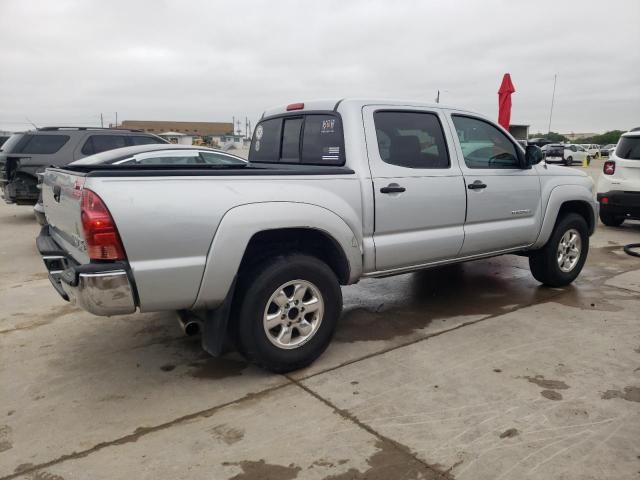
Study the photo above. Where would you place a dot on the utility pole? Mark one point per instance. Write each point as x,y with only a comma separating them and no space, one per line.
101,121
116,119
438,97
553,96
233,126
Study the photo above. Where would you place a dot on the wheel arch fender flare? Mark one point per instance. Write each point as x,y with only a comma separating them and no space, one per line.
564,197
241,223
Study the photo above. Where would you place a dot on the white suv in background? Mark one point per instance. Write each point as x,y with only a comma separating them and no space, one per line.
619,184
592,149
565,153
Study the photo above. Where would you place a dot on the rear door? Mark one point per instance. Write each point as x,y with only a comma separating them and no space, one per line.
417,185
503,206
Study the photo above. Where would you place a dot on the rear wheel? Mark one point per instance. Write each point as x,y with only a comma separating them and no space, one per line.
288,310
611,220
560,261
568,161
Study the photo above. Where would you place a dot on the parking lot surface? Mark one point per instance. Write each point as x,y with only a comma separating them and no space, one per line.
472,371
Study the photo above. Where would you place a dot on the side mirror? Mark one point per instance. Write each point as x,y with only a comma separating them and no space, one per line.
532,156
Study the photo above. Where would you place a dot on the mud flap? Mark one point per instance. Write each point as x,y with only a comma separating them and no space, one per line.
214,326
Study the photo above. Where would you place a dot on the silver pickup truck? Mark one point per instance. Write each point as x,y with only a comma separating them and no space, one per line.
334,191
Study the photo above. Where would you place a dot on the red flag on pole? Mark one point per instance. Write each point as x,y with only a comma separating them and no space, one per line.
504,101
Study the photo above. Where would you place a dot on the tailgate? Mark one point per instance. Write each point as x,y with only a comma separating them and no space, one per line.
61,197
627,175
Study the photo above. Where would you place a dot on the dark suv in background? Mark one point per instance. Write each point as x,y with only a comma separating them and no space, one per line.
25,155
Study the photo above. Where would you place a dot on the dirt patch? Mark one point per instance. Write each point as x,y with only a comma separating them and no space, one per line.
551,395
167,368
5,438
228,435
391,462
512,432
630,394
216,368
43,475
152,329
261,470
547,384
112,398
23,466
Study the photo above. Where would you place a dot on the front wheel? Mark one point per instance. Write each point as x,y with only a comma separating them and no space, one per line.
560,261
568,161
288,310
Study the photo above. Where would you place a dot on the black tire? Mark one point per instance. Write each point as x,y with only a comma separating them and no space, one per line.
610,220
544,262
255,290
568,161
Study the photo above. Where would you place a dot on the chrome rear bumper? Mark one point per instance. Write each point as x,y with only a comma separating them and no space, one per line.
102,289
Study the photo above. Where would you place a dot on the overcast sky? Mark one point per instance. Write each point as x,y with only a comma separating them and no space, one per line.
64,62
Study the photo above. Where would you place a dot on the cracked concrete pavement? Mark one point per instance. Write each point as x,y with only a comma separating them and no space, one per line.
465,372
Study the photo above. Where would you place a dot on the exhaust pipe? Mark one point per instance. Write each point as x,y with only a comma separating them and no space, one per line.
191,326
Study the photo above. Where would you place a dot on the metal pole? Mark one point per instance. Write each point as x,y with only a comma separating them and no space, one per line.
116,119
101,121
553,96
438,97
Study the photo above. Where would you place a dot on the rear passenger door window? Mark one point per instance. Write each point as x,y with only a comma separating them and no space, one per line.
102,143
411,139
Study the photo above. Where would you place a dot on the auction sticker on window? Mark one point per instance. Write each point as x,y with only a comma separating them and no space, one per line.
328,126
259,132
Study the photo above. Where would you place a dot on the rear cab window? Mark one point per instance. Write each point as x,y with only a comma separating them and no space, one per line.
313,138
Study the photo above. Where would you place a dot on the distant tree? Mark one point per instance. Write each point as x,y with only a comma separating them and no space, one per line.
606,138
551,136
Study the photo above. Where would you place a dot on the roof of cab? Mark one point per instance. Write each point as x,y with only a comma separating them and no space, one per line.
333,104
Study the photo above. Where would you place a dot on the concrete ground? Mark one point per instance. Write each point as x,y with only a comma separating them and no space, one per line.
467,372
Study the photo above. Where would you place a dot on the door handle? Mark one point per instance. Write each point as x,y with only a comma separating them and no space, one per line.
477,185
392,188
56,192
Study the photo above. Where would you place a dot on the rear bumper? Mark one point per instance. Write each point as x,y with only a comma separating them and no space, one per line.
100,288
620,203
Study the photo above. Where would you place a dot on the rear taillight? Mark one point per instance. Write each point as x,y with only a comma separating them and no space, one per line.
100,232
609,167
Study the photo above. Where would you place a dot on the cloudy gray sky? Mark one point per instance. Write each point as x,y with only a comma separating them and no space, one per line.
64,62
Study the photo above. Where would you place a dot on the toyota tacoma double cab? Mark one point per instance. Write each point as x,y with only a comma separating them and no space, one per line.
334,191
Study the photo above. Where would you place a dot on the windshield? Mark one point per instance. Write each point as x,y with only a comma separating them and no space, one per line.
10,144
628,148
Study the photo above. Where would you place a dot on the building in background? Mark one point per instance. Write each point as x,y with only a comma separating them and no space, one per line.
577,136
220,133
519,132
178,138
